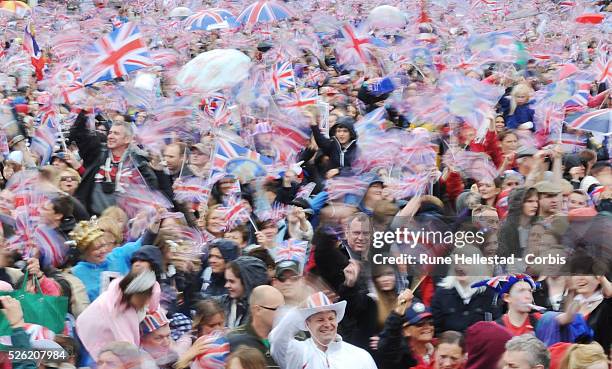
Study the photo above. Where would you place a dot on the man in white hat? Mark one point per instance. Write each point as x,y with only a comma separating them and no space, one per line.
325,348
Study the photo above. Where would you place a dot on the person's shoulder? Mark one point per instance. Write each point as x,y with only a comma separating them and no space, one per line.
354,351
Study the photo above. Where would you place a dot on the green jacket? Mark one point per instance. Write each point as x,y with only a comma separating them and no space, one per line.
245,335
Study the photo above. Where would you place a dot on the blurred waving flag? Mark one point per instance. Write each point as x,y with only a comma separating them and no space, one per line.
295,101
117,54
603,69
66,79
594,121
192,189
355,49
236,213
227,151
283,77
292,249
498,46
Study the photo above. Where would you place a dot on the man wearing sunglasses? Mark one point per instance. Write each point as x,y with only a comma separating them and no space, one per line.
288,281
264,304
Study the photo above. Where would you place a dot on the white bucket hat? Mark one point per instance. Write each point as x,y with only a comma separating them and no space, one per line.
319,302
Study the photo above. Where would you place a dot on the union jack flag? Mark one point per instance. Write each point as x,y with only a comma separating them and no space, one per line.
292,137
67,79
192,189
292,249
494,46
581,96
372,123
215,106
216,352
296,101
338,187
275,213
225,151
603,69
119,53
355,49
283,77
45,136
237,213
136,198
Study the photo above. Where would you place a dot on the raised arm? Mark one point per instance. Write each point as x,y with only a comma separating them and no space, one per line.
283,347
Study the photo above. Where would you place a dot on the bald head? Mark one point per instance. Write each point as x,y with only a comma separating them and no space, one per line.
266,296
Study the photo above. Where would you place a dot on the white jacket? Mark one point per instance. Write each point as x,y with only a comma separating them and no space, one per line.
290,353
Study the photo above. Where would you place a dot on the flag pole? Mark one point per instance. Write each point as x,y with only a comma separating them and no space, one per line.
253,224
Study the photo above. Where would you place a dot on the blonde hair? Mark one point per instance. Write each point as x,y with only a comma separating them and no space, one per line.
519,89
50,173
107,224
582,356
117,214
72,172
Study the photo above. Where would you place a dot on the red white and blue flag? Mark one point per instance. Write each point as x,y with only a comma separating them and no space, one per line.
31,47
225,151
52,248
191,189
292,249
237,212
119,53
45,136
355,49
283,77
301,99
603,69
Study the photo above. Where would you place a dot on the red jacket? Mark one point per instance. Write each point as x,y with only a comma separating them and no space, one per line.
490,145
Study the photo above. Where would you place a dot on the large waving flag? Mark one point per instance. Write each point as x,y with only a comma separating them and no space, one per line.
118,53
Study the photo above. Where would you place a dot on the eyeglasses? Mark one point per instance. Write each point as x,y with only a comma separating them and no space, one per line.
268,308
283,279
69,179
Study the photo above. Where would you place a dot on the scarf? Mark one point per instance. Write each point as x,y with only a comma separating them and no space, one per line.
591,300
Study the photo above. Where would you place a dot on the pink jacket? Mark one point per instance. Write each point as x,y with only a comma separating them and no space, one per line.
106,320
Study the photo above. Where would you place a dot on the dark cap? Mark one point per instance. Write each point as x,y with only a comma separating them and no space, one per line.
284,265
416,313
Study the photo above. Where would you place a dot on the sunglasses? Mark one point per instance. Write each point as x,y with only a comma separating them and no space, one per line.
268,308
283,279
69,179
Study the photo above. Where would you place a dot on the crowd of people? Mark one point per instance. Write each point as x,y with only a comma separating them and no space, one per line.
260,192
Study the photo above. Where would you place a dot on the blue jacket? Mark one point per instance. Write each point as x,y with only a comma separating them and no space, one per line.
118,260
522,114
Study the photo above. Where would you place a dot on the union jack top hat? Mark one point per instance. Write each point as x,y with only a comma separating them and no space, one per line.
319,302
153,321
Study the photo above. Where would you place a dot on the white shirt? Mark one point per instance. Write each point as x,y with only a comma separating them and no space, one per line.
290,353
